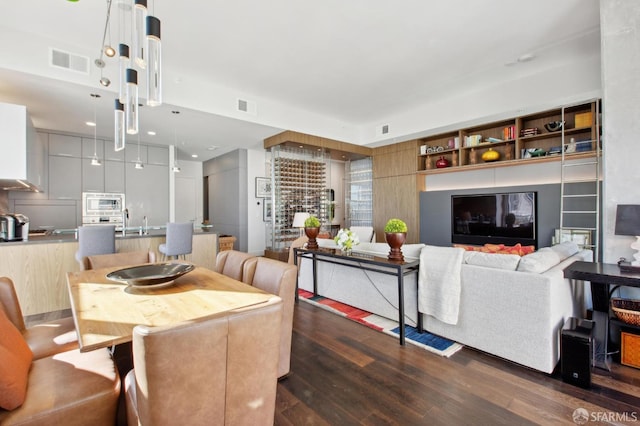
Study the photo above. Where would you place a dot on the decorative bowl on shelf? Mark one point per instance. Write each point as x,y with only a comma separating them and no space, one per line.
554,126
490,155
153,275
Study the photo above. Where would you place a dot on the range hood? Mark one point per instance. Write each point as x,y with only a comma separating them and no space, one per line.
23,157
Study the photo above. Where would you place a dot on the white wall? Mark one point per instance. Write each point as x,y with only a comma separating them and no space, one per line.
619,21
188,204
256,160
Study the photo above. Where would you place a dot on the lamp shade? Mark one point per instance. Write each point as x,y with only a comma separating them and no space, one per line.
628,219
298,219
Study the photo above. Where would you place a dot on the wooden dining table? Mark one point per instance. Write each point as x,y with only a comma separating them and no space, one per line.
105,311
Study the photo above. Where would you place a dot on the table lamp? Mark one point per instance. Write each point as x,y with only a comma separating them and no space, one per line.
298,220
628,223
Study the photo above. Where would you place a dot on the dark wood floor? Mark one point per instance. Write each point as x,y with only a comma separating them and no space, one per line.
344,373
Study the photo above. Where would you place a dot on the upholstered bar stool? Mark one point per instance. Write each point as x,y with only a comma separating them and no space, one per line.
97,239
178,241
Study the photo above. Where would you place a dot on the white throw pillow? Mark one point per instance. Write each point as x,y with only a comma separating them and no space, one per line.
566,249
539,261
492,260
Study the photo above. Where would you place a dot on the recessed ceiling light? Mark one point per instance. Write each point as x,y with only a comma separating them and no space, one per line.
151,133
212,148
90,124
194,155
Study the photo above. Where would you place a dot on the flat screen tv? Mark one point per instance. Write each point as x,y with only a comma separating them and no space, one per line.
501,218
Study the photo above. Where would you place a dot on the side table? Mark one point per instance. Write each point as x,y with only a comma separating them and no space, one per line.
601,275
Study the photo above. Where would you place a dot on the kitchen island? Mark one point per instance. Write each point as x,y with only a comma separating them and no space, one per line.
38,266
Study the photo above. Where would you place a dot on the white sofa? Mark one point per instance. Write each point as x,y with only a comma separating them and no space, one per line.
510,307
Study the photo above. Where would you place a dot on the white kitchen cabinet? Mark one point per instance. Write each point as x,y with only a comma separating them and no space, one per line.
114,176
92,176
110,154
131,153
88,148
65,145
158,155
65,174
147,194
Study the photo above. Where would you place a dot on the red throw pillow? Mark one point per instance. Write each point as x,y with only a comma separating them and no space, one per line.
15,361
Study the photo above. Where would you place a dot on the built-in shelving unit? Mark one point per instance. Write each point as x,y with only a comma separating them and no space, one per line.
517,140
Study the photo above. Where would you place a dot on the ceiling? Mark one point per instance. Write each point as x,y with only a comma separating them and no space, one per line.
330,68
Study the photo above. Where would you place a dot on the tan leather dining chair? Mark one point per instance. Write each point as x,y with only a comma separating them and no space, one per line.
127,258
279,278
45,339
231,263
221,370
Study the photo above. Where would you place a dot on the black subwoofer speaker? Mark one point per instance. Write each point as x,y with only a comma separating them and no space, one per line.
576,351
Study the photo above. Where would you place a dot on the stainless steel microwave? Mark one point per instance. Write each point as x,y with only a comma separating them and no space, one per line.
102,207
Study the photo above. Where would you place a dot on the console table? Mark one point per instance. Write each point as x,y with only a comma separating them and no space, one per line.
601,275
368,263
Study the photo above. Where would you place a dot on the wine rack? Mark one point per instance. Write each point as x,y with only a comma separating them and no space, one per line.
299,182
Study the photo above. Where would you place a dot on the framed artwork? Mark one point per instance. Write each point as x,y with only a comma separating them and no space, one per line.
581,237
263,187
267,210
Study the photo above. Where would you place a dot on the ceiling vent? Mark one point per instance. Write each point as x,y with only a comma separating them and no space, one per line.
383,130
61,59
248,107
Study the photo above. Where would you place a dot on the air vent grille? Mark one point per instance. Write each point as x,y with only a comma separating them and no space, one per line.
70,61
246,106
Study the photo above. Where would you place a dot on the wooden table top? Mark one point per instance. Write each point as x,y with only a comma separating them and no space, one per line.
105,311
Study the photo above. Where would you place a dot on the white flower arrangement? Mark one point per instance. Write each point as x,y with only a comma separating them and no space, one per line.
346,239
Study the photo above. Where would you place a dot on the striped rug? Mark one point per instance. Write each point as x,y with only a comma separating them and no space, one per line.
430,342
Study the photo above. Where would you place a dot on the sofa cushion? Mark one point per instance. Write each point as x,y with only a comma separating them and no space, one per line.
539,261
565,250
15,361
492,260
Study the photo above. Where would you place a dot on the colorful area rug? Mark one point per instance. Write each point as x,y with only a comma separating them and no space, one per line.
430,342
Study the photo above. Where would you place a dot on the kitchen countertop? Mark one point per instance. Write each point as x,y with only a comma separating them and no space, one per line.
69,235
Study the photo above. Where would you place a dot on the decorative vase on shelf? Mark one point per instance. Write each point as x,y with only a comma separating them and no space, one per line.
442,163
490,155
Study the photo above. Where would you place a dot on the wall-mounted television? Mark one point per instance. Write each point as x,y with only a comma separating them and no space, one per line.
500,218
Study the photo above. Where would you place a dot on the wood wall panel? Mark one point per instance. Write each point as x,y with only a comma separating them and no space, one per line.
396,196
395,160
39,270
396,188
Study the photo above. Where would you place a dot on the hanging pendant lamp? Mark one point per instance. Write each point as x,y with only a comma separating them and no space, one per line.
139,164
131,111
119,126
138,33
153,61
95,161
123,63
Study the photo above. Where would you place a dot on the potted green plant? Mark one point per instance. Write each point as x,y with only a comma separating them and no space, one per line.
312,229
395,233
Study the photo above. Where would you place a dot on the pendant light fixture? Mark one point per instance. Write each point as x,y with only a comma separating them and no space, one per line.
119,133
123,64
139,164
175,168
131,105
95,161
153,61
138,33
